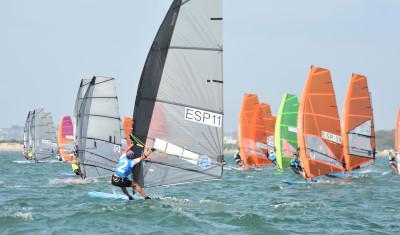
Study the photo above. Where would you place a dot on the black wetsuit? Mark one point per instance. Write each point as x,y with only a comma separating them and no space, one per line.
238,159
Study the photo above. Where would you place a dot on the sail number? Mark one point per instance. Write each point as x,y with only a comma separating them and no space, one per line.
331,137
203,117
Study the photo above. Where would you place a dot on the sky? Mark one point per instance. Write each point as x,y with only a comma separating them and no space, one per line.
47,46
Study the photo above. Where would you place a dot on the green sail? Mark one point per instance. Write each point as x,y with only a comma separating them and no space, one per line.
286,130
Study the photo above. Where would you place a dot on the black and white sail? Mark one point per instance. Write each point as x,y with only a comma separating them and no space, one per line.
79,97
179,102
98,128
44,139
27,133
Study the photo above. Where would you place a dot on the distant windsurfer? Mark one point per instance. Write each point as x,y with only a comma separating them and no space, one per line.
30,154
75,166
272,157
238,159
295,165
124,168
392,163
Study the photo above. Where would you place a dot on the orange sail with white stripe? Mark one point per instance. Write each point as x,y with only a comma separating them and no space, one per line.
319,133
358,124
254,128
66,138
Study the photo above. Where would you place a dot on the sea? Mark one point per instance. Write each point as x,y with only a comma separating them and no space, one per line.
45,198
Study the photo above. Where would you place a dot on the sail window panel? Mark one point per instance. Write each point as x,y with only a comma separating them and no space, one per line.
360,140
98,153
318,150
199,25
170,125
101,154
360,145
177,171
363,129
188,79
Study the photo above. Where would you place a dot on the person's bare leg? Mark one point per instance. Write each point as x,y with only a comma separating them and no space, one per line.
394,169
125,191
139,189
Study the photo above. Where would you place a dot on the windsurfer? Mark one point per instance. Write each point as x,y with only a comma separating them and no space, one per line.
30,154
392,163
238,159
75,166
272,157
295,164
124,168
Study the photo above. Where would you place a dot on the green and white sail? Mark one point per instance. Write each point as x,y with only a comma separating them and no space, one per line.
286,130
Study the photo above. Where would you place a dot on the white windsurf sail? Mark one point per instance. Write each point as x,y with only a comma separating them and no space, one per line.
179,102
27,133
44,139
98,129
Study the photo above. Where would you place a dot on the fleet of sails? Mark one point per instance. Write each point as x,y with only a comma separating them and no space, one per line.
178,113
311,128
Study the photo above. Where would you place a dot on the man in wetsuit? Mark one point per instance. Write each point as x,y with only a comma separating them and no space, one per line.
295,164
392,163
124,168
238,159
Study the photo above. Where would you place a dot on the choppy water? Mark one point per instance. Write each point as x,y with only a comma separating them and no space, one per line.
45,199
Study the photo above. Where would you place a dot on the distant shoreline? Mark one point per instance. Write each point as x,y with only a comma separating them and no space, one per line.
11,147
16,147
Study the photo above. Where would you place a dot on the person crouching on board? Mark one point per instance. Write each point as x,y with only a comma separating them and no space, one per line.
295,165
75,166
392,163
124,168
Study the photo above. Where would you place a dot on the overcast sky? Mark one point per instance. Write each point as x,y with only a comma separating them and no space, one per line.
47,46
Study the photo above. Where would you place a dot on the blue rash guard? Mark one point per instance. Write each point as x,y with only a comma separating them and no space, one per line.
272,158
296,166
124,167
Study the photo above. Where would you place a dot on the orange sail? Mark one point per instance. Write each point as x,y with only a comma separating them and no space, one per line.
397,140
127,124
255,126
358,124
397,133
319,133
65,138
